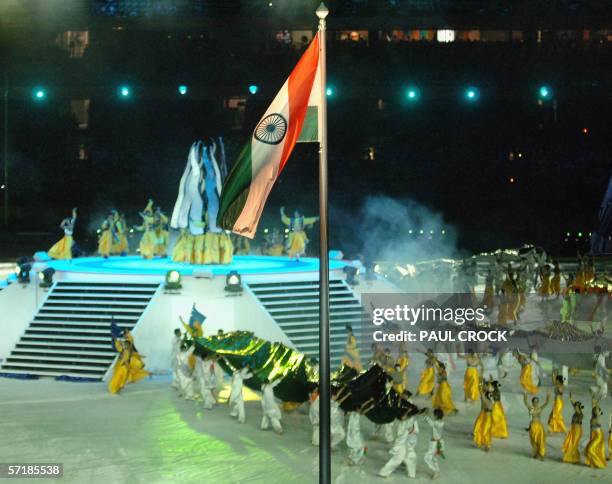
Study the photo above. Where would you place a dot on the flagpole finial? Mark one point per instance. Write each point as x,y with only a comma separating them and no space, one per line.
322,11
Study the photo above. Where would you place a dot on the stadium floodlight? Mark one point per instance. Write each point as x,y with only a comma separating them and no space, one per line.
46,277
233,283
24,266
545,92
125,91
413,94
472,94
39,94
173,281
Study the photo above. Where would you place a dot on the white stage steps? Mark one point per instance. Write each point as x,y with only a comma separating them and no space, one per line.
70,334
294,306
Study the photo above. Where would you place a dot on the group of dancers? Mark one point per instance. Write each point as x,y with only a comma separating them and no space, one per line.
491,421
204,247
199,377
507,285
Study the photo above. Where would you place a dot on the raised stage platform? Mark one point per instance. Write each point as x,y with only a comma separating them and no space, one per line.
135,266
63,330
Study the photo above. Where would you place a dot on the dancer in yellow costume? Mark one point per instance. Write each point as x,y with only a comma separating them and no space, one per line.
427,381
509,300
183,248
443,396
63,248
137,371
160,221
595,452
211,248
555,420
274,243
119,244
241,244
404,362
610,438
581,274
105,242
472,377
499,424
484,423
226,248
297,240
536,429
129,367
397,379
198,246
351,357
526,377
571,444
544,289
148,240
194,329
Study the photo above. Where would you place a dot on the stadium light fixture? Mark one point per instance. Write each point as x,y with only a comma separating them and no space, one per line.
545,92
125,91
173,281
472,94
24,267
233,283
39,94
413,94
46,277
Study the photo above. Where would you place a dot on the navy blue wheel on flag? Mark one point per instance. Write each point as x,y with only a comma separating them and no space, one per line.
272,129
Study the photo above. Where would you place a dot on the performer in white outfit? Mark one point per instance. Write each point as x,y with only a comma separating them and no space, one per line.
236,400
270,409
184,373
174,361
336,420
219,376
602,374
436,444
403,449
385,431
537,373
313,414
354,439
205,380
503,363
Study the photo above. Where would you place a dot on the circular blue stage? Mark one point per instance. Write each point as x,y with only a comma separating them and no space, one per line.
135,265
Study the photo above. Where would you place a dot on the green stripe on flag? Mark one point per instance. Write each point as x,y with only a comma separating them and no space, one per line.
310,132
235,190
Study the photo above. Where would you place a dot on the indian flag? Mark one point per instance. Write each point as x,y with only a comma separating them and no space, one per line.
262,160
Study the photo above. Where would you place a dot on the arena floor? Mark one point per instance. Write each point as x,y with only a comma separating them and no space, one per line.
148,434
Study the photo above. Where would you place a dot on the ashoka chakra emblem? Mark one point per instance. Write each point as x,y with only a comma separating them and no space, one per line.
271,130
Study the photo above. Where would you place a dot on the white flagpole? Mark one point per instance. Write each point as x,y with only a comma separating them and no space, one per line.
324,357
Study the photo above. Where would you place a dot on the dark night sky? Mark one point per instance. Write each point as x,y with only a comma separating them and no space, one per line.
449,155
